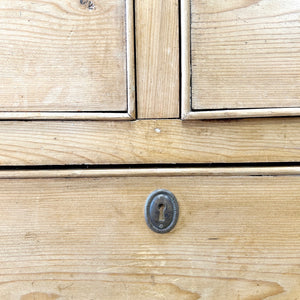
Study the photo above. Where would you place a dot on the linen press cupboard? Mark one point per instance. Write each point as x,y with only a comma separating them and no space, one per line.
197,97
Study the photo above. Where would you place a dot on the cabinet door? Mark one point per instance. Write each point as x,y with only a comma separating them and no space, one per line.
240,58
62,237
151,141
66,59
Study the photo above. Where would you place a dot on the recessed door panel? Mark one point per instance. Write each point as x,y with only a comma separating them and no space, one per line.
66,58
241,58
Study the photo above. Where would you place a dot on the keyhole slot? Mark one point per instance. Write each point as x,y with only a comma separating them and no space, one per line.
161,208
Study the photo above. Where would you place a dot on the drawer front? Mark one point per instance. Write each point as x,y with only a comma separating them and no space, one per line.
66,59
241,58
66,237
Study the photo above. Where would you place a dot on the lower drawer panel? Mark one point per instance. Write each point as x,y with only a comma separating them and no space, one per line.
82,235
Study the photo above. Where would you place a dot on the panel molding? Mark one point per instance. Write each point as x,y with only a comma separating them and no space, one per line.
88,116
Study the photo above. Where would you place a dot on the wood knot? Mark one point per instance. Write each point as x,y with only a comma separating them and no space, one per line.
88,4
40,296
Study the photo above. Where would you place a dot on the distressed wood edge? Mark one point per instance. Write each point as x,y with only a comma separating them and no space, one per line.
101,115
86,116
242,113
185,58
130,56
143,172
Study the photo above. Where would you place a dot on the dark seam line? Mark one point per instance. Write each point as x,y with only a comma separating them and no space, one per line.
180,59
135,60
152,166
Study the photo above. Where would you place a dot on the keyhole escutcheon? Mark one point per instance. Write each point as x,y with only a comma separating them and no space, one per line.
161,211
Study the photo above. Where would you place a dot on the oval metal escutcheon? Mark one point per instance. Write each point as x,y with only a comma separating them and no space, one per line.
161,211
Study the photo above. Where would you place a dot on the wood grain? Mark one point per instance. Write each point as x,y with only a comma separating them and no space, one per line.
149,172
149,141
157,49
244,54
86,238
68,56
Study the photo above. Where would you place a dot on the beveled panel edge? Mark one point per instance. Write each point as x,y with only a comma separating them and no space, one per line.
47,116
241,113
131,88
186,104
159,172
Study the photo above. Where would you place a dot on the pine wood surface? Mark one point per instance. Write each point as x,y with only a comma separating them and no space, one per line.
149,141
63,55
149,172
244,54
157,58
237,237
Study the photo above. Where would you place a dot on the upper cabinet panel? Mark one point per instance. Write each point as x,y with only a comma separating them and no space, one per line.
66,59
241,58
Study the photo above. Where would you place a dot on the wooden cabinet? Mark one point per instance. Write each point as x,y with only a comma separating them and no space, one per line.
103,102
76,60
